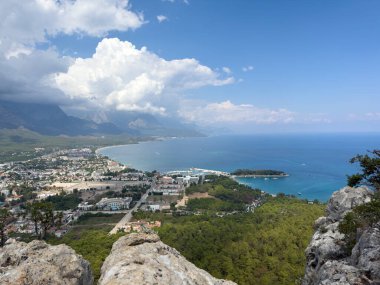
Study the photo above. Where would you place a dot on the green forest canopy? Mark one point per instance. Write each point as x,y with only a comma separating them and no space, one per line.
265,172
264,247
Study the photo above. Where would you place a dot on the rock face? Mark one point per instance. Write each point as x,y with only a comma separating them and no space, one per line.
327,261
38,263
144,259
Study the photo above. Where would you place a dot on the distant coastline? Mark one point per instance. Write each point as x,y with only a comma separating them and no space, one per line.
316,167
151,139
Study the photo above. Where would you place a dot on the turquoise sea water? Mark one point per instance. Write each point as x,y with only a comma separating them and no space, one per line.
317,164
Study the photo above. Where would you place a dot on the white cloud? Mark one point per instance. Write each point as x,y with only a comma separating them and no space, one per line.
23,67
227,112
226,70
248,68
123,77
161,18
24,23
23,76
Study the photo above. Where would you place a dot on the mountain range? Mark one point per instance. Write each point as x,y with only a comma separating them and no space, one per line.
50,119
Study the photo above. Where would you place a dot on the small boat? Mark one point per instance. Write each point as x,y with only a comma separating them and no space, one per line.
266,178
299,193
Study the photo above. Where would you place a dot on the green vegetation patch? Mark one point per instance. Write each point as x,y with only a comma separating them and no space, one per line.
98,219
259,172
230,195
213,205
264,247
94,245
64,201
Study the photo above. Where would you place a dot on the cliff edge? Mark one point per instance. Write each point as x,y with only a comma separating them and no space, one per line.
144,259
328,262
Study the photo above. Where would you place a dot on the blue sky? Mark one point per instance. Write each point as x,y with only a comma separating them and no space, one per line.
277,65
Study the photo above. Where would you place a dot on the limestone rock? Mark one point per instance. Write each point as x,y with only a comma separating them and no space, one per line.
38,263
327,260
344,200
338,273
144,259
366,253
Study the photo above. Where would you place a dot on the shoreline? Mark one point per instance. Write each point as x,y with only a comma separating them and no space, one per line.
151,139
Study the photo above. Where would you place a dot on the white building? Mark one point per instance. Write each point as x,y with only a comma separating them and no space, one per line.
154,207
85,206
114,204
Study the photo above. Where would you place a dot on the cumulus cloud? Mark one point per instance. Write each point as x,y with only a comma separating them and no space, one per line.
25,77
28,22
24,69
227,112
161,18
121,76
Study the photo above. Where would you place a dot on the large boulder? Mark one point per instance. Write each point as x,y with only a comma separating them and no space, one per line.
144,259
38,263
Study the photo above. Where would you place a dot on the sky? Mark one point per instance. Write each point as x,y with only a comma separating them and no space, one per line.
247,66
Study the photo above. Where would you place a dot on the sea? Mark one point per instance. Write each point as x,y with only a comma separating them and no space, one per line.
317,164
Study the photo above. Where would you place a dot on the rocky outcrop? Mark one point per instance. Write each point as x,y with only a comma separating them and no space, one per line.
327,260
344,200
144,259
38,263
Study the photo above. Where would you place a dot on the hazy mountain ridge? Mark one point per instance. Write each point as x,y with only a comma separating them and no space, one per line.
49,119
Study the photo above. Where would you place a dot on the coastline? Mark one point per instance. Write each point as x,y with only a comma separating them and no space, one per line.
151,139
314,177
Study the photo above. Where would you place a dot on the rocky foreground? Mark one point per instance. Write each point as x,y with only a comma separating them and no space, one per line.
37,263
144,259
134,259
328,263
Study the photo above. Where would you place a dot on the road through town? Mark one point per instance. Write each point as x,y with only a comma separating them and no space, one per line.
128,216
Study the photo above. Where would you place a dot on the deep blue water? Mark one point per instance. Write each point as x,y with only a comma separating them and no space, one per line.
317,164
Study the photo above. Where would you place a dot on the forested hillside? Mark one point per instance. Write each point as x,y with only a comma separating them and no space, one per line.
265,247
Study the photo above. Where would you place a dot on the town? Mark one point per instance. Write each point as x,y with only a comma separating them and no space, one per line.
70,183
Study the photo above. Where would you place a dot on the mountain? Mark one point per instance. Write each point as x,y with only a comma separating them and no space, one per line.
49,119
148,125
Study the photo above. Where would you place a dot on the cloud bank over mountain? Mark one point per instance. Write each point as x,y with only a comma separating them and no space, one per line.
122,77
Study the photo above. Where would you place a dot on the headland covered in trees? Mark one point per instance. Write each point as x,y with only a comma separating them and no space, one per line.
259,173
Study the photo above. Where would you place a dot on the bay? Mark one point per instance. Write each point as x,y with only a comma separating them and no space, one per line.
317,163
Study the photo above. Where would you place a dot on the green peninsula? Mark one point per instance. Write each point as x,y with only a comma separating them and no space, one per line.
259,173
